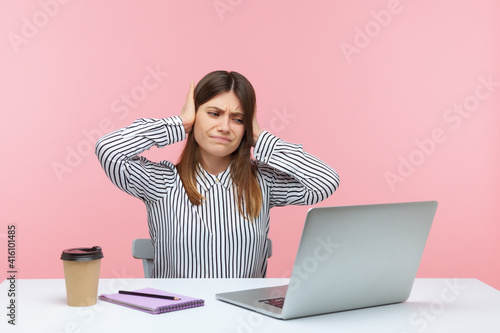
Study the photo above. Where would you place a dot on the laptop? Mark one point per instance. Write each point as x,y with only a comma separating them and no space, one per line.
348,258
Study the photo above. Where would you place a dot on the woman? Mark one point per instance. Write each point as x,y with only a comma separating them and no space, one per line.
208,216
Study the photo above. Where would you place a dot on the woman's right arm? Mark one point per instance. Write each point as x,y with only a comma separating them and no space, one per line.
118,152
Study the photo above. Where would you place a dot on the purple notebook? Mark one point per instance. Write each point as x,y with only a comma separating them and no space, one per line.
153,305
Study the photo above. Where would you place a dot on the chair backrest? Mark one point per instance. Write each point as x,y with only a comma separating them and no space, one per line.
142,248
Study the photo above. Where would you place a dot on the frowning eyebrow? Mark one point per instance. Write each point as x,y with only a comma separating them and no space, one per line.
235,113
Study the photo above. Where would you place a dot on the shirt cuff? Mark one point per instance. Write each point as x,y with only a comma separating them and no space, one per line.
265,146
175,128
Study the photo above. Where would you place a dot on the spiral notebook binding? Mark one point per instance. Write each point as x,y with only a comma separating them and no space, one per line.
182,306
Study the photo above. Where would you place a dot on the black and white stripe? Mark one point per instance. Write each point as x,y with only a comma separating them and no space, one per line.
211,240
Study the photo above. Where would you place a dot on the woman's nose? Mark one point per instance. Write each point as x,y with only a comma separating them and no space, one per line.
223,124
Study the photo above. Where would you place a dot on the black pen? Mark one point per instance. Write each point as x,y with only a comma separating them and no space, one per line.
134,293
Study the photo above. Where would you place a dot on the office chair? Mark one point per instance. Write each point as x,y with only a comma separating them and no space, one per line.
142,248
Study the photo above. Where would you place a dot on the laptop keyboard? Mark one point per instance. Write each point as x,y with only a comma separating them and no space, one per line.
277,301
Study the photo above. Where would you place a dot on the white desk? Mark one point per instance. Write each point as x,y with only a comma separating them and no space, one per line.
435,305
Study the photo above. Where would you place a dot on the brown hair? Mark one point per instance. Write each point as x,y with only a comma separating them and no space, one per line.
243,171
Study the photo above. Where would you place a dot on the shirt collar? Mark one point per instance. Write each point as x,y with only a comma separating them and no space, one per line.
206,180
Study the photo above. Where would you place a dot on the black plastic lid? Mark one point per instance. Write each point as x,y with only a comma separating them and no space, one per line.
82,254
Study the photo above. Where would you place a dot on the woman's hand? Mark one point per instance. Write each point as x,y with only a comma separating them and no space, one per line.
188,112
256,128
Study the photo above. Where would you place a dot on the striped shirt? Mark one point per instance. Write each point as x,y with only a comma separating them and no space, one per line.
210,240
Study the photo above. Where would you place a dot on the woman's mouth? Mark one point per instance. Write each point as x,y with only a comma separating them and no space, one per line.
222,139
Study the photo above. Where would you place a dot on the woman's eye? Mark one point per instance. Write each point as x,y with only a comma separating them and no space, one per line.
213,114
239,121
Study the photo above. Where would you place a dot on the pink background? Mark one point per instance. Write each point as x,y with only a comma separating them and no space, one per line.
393,94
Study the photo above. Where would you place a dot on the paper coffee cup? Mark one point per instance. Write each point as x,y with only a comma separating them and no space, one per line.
81,273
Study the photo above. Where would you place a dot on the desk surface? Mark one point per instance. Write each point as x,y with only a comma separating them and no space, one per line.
435,305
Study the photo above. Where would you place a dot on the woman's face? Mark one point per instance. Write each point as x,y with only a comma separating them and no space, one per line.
218,127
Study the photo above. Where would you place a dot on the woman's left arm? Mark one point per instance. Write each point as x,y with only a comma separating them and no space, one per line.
293,176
